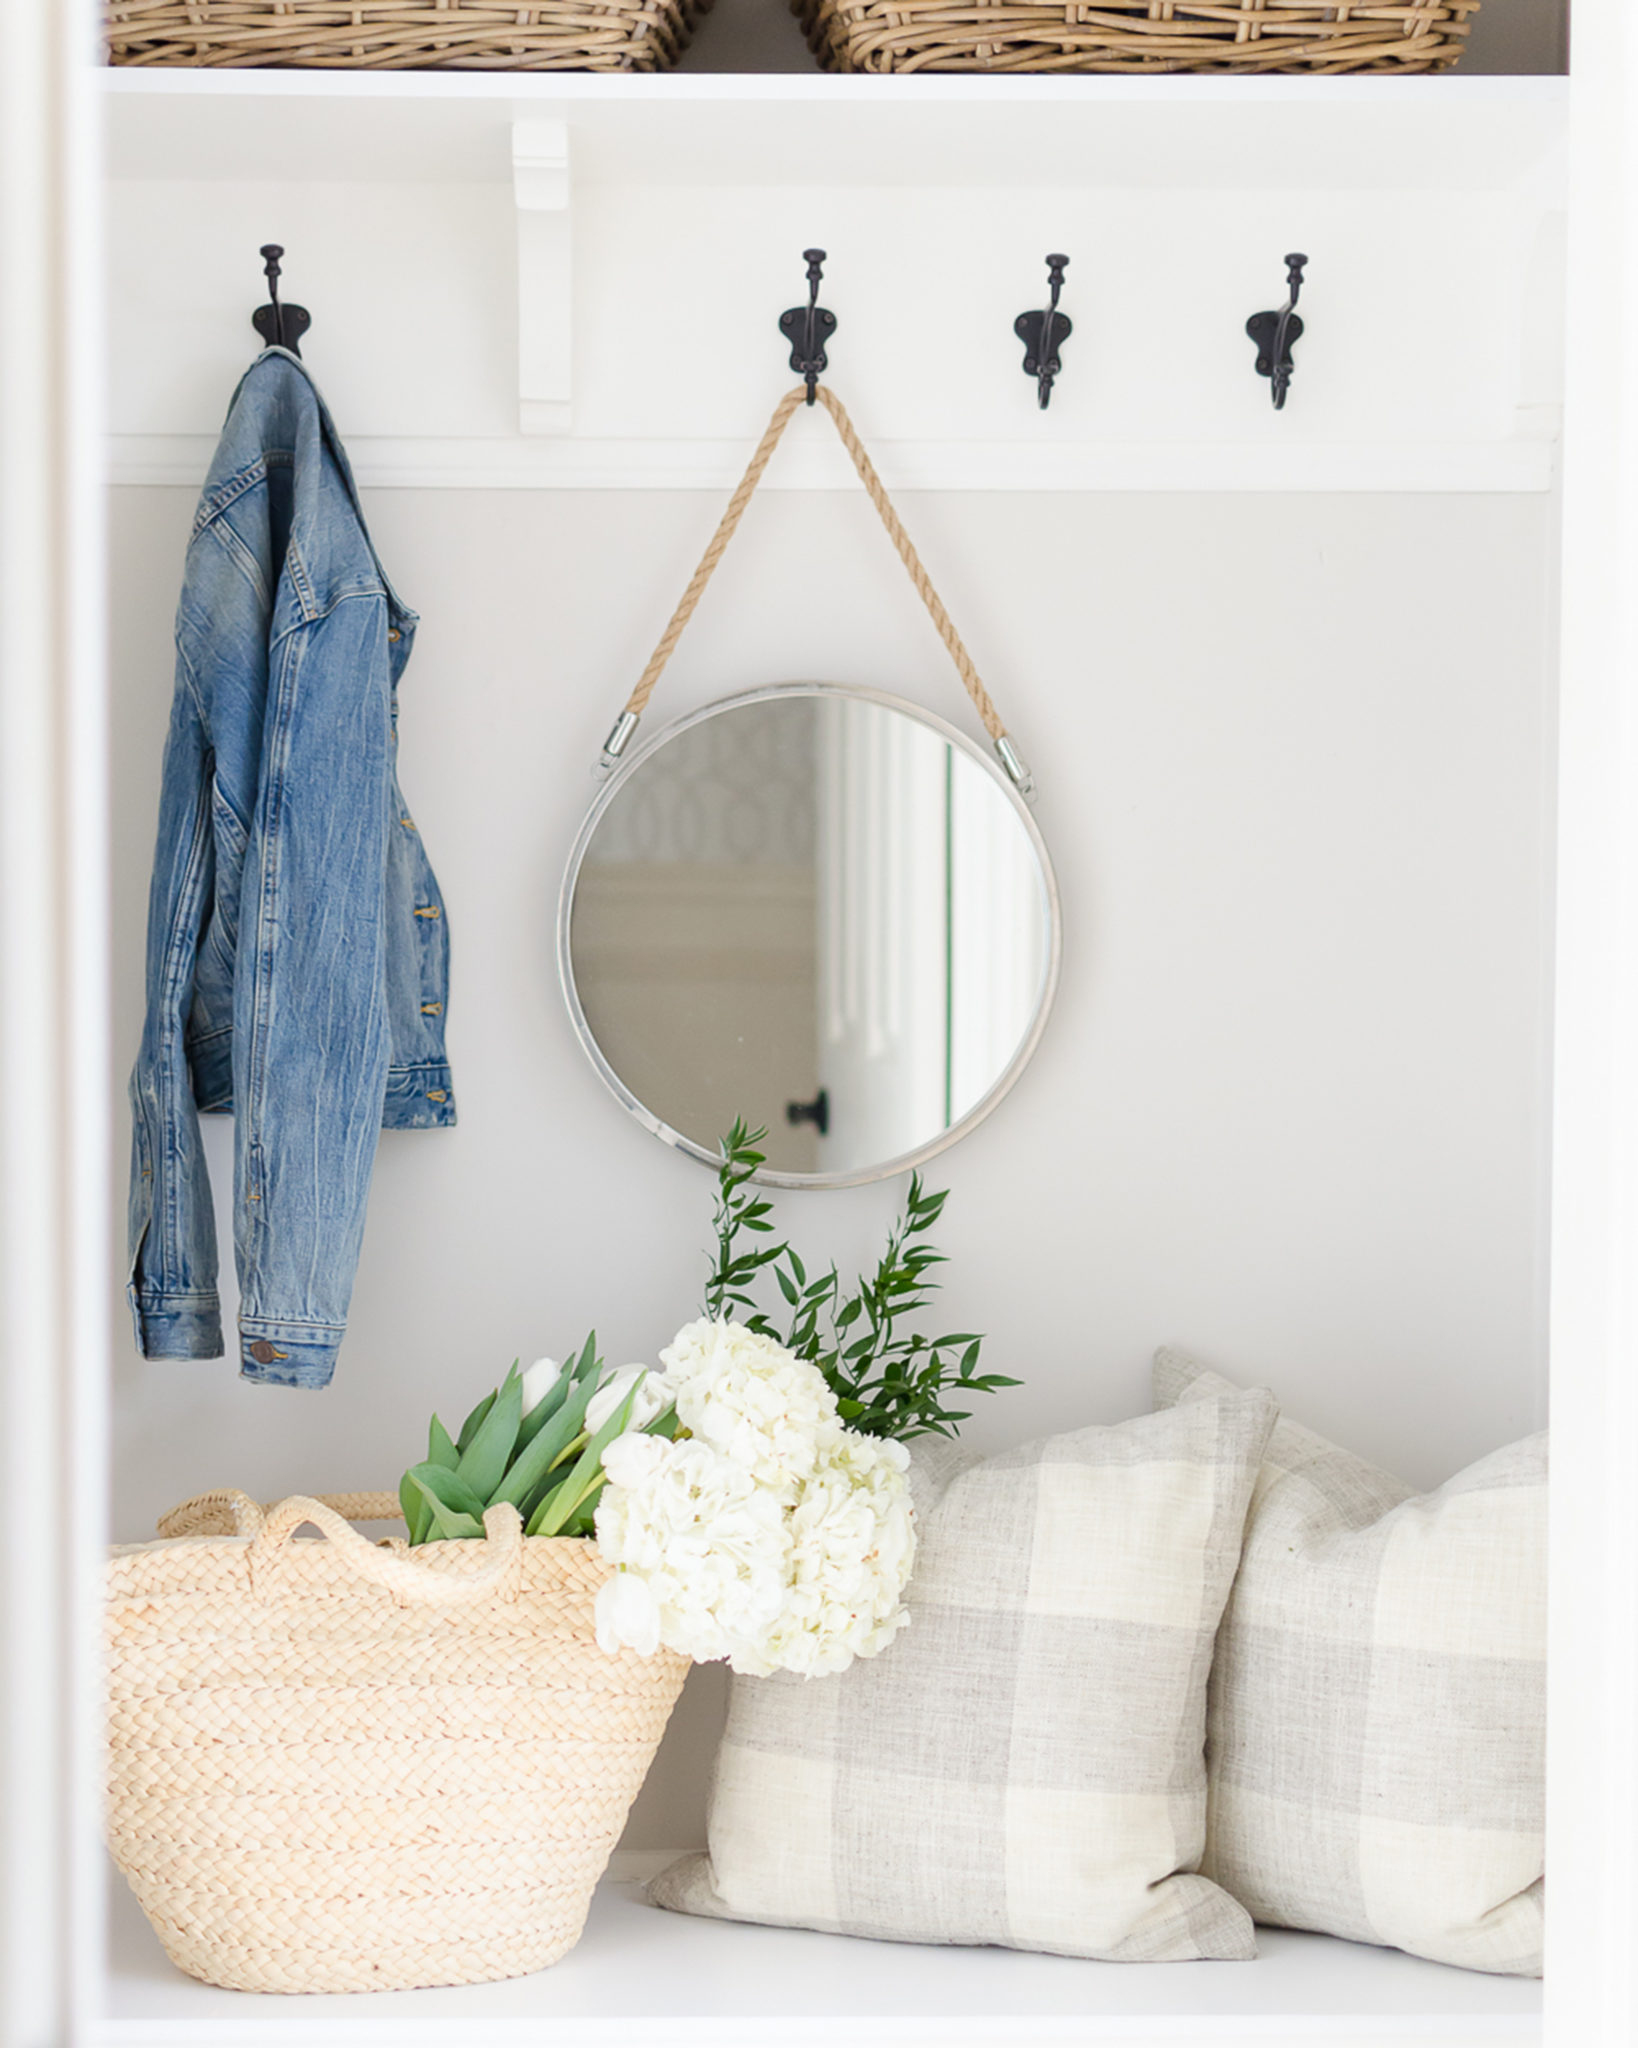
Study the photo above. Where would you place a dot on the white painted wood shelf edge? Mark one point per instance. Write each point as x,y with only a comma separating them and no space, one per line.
641,1976
798,129
919,88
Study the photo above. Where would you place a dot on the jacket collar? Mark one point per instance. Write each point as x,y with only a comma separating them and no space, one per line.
278,394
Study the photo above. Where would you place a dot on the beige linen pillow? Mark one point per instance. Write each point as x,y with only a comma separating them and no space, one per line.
1023,1766
1378,1703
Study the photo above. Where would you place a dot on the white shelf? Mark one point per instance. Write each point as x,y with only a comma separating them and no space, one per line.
1427,205
1334,134
640,1976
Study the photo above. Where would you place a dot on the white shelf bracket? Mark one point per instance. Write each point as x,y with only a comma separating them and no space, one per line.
540,193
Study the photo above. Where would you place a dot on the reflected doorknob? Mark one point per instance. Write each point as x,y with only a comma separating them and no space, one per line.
816,1112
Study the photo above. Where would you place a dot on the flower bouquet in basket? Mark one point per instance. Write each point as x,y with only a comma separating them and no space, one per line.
341,1765
349,1766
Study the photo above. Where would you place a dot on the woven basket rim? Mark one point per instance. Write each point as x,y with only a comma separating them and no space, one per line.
536,1544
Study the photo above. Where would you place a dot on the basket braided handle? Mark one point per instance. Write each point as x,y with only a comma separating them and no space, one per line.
230,1512
637,702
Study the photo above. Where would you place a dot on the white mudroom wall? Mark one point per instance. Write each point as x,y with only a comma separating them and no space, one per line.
1291,1110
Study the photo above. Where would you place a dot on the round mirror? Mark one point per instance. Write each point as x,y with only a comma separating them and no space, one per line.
819,909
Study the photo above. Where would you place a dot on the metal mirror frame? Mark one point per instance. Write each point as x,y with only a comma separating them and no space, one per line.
629,766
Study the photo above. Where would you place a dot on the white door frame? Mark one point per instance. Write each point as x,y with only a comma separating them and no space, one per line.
54,1113
1592,1853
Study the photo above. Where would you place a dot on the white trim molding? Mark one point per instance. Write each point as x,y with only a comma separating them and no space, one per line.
571,463
53,1022
1592,1853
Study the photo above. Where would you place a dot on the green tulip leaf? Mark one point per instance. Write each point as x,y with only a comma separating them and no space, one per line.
484,1461
417,1515
474,1422
585,1475
543,1410
533,1463
549,1501
451,1489
448,1521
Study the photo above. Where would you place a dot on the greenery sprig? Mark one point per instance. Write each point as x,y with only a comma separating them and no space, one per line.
888,1380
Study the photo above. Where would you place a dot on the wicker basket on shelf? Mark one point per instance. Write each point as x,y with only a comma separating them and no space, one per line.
1134,35
404,35
343,1766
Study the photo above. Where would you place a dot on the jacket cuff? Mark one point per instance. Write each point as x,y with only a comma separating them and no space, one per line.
177,1326
275,1354
419,1098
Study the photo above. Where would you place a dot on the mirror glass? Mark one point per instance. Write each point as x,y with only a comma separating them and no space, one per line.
817,908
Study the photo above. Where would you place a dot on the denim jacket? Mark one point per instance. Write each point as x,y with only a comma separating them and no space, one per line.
298,955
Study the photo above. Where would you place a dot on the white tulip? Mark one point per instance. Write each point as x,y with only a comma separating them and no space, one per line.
653,1397
539,1381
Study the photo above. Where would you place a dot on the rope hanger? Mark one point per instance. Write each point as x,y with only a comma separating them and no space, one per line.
626,724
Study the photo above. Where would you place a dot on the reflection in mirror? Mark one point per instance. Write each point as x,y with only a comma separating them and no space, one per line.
816,909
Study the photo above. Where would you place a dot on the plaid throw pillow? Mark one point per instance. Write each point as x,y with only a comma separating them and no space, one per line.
1378,1702
1023,1767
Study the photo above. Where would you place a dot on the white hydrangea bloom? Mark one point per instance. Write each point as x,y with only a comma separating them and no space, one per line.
752,1399
852,1545
707,1541
770,1536
628,1616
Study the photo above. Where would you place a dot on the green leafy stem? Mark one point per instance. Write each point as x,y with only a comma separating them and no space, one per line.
888,1379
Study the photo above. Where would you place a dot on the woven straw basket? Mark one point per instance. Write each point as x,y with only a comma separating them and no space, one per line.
404,35
1134,35
343,1766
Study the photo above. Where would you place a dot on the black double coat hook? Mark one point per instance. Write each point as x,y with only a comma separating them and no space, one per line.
807,328
279,325
1274,334
1044,334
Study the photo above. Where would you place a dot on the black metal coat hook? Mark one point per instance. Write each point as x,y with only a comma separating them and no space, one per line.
1274,334
279,325
1044,334
807,328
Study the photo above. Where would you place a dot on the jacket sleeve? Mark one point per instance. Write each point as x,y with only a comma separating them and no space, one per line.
310,1035
172,1290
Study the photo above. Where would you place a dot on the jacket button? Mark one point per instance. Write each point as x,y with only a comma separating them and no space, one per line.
263,1352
